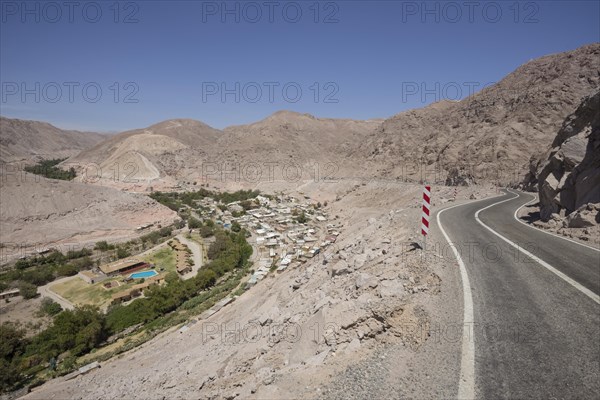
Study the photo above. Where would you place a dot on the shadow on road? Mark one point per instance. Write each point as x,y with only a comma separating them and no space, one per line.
532,216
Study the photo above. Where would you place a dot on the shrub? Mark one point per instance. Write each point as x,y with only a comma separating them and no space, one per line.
50,307
206,231
166,231
122,253
67,270
194,223
103,246
49,169
28,290
301,219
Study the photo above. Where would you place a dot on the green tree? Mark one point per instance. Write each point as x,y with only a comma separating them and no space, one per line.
11,347
103,246
301,219
77,330
194,223
28,290
50,307
122,252
206,231
66,270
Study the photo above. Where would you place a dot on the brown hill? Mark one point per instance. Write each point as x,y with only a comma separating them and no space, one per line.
36,212
495,130
22,140
289,141
163,150
185,150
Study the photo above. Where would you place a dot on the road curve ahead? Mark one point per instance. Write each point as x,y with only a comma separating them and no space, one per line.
536,321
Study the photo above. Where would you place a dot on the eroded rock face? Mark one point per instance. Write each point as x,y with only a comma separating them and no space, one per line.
570,176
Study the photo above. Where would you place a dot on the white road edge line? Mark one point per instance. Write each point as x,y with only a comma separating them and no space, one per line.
544,264
466,383
541,230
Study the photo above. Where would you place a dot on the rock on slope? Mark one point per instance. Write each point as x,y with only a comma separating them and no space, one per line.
24,140
491,134
36,212
569,178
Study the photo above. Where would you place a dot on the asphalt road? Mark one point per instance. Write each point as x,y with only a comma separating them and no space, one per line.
535,334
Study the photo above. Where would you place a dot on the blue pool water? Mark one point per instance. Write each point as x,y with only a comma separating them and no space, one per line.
143,274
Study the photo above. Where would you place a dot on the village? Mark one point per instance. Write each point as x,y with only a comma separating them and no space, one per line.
284,231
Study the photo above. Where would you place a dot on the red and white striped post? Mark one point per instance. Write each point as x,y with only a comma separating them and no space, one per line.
425,214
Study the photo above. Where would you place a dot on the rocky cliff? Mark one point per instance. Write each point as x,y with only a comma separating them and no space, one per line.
568,181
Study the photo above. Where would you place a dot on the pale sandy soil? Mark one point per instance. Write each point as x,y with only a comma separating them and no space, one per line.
38,213
25,313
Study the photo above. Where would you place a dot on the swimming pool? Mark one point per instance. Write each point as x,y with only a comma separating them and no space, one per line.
143,274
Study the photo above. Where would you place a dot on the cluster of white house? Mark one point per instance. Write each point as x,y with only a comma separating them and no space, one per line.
279,240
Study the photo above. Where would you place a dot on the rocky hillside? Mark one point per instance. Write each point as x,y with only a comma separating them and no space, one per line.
294,334
186,150
22,140
568,180
288,137
492,134
36,212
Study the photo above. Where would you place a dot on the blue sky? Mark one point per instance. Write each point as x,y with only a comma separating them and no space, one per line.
347,59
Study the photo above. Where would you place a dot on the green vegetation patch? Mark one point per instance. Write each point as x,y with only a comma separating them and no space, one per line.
49,169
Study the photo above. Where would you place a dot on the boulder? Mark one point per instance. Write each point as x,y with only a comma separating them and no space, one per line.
366,280
340,268
391,288
460,177
584,217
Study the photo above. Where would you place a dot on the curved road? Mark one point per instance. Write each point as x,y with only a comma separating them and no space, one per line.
536,321
45,291
197,255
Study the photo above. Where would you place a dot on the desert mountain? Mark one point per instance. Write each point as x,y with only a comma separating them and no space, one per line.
182,150
22,140
491,134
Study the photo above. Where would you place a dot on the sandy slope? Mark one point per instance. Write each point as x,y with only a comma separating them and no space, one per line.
37,212
297,331
24,140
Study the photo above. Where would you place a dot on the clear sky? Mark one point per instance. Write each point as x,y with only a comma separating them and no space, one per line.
237,62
